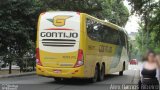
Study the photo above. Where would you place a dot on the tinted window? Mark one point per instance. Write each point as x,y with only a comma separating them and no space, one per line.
93,30
99,32
122,38
110,36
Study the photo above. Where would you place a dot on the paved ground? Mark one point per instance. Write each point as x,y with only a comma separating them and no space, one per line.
34,82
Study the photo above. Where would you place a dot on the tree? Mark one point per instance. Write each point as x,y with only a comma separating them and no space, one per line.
112,10
150,27
148,33
18,27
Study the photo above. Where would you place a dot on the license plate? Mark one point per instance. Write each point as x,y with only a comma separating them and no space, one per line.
57,71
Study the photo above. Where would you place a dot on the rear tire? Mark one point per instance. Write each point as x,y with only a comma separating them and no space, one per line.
102,73
94,79
121,72
58,79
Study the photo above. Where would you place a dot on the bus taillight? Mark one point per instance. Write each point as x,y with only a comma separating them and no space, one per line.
79,58
38,57
78,13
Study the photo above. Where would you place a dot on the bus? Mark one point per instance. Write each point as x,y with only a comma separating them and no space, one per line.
77,45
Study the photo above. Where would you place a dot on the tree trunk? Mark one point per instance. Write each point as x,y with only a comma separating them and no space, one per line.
21,69
33,68
10,67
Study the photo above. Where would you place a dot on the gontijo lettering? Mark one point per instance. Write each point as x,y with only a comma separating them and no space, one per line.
59,34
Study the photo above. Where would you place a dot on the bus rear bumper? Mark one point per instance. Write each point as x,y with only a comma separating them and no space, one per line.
60,72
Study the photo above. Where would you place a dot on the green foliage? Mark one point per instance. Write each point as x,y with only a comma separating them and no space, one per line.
149,31
18,25
115,12
18,29
88,6
112,10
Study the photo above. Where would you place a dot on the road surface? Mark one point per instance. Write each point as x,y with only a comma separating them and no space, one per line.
34,82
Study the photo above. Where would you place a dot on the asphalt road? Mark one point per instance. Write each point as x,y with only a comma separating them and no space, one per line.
34,82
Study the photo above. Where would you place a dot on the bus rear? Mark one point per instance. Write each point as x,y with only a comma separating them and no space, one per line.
58,51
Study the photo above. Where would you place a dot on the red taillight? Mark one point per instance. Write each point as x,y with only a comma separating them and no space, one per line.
43,13
38,57
79,58
78,13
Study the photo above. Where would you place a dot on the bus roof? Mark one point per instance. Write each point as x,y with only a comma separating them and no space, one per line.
109,24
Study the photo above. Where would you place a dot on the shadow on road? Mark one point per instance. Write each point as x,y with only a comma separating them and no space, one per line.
82,81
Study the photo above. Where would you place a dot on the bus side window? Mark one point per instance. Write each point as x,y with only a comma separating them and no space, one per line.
119,38
122,38
116,37
99,32
93,29
90,28
110,36
126,44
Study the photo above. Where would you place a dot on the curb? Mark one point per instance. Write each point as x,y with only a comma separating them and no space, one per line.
18,75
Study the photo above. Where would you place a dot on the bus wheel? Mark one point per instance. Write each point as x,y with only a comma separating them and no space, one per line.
121,72
94,79
57,79
102,73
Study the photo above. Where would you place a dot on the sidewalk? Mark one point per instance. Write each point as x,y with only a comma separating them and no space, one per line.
136,68
13,67
136,77
17,74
